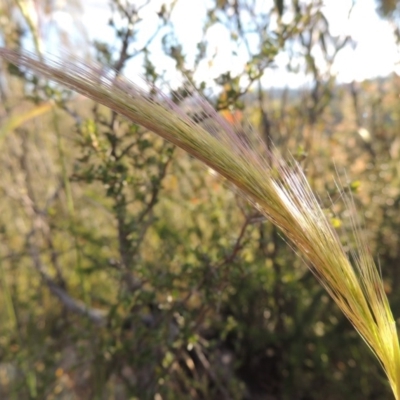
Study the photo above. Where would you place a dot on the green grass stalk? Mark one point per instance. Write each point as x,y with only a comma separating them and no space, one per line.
84,283
26,367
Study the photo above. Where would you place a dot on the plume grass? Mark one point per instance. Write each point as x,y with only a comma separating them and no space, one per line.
278,191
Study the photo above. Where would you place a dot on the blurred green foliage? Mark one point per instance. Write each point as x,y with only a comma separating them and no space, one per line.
129,271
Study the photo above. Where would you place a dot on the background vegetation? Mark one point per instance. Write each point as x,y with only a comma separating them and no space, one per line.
129,271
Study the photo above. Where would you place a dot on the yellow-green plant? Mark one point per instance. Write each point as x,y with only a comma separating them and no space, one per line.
278,191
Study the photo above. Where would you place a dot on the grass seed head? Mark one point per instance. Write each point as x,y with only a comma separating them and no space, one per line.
278,191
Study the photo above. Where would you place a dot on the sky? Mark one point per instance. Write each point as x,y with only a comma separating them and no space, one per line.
375,52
